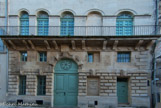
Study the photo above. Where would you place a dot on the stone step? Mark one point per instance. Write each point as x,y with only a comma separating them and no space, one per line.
125,107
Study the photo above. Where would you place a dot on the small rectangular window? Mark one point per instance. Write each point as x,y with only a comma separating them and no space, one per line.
90,57
22,85
42,56
123,57
41,86
23,56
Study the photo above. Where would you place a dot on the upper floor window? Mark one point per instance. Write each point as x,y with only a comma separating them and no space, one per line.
123,57
24,23
23,56
22,85
43,23
124,24
67,24
42,56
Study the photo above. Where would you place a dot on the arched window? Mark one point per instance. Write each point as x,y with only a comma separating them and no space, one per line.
43,23
24,23
67,24
124,24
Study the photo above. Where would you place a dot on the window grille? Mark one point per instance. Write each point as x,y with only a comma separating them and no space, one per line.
41,86
22,85
123,57
42,56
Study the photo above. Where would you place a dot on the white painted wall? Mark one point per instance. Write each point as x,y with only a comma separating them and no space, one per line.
142,10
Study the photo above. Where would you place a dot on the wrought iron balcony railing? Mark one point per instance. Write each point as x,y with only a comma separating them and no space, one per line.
80,30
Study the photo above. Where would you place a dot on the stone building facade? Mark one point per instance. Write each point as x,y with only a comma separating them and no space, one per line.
103,75
79,63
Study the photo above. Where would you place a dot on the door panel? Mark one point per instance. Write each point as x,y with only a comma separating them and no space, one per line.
60,90
60,82
72,89
72,83
122,91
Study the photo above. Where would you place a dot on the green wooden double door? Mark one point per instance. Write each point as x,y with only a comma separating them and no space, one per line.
65,84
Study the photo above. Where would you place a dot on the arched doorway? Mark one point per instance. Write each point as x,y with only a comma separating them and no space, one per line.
65,83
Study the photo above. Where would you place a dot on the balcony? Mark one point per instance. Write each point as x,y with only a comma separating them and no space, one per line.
140,30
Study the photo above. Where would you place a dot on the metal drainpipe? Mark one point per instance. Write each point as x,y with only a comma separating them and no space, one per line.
6,16
154,77
155,74
6,26
157,14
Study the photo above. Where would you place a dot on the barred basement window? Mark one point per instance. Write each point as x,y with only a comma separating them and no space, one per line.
123,57
42,56
23,56
41,86
22,85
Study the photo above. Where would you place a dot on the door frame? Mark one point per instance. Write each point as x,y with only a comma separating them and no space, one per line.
56,72
128,92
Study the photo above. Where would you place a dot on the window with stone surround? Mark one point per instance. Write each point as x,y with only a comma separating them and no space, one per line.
41,85
123,57
23,56
93,57
42,56
22,85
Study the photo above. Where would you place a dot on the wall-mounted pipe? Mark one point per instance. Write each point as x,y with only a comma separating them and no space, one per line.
6,31
6,15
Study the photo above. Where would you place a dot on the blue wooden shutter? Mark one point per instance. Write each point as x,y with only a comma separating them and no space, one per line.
24,24
43,24
67,25
90,57
124,25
